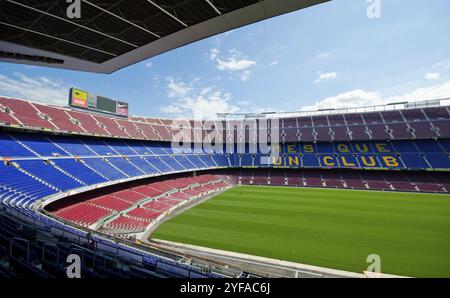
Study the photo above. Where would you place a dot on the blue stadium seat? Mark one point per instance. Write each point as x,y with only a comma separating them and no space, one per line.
99,146
158,149
310,161
139,147
428,146
49,174
221,160
414,161
195,159
207,160
170,161
438,161
10,148
445,144
104,168
261,160
246,160
143,164
72,145
40,144
23,183
121,147
158,164
325,148
405,147
125,166
185,162
79,170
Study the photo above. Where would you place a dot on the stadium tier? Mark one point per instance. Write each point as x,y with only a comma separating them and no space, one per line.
411,181
57,164
420,123
135,208
83,172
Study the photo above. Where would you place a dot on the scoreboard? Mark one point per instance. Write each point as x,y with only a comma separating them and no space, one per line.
85,100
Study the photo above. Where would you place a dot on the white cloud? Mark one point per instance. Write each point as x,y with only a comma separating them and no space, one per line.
432,76
362,98
355,98
325,76
149,65
235,63
40,89
201,102
177,88
425,93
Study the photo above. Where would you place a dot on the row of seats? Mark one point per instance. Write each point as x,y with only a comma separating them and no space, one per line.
395,124
418,146
139,204
30,145
28,250
128,224
402,124
18,112
138,219
349,179
363,161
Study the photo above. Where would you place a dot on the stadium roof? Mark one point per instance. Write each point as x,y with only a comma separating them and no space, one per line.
112,34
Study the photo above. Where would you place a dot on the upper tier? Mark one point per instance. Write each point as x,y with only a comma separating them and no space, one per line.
417,123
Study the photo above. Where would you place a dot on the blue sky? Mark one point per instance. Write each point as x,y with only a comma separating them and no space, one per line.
331,55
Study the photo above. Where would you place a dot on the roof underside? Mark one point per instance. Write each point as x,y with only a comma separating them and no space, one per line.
112,34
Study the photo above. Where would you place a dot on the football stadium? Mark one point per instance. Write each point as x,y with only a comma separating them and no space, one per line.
310,193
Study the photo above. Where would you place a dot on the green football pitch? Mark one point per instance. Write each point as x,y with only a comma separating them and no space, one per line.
323,227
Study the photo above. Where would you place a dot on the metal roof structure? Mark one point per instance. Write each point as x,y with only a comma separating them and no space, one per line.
112,34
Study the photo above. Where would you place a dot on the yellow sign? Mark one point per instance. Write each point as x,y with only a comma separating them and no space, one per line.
79,98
